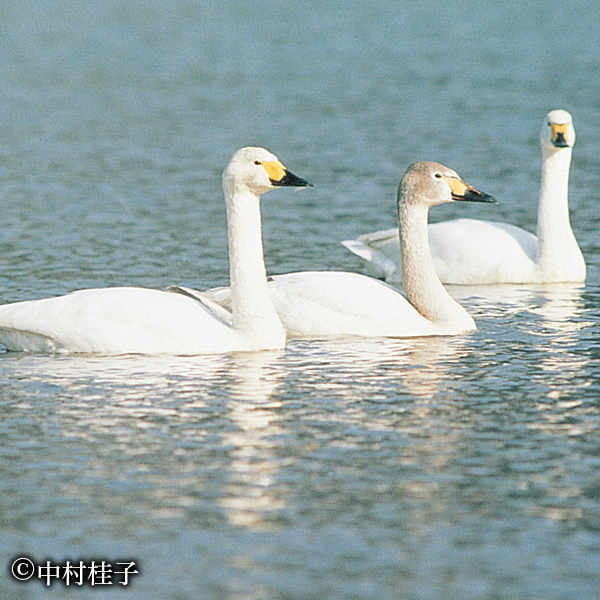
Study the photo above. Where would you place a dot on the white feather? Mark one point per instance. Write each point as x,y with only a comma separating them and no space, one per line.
138,320
332,304
474,252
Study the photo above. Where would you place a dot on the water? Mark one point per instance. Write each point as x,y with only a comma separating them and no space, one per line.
463,468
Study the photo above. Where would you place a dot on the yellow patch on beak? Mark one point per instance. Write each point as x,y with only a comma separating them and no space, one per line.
275,170
457,186
557,130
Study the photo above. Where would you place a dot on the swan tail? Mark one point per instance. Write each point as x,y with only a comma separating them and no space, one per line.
25,341
380,265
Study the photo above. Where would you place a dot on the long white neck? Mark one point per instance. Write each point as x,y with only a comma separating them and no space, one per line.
554,233
252,310
421,283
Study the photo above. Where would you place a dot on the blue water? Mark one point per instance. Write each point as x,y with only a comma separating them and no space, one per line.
465,467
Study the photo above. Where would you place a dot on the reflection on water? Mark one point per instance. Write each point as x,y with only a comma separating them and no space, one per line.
152,412
439,447
550,327
560,305
248,496
364,369
462,467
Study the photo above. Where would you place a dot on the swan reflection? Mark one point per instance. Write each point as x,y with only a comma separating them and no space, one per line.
548,322
559,305
378,369
249,496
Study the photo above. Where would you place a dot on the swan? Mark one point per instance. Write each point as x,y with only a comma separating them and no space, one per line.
323,304
474,252
125,320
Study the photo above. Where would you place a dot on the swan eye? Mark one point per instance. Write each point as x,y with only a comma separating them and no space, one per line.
257,162
438,175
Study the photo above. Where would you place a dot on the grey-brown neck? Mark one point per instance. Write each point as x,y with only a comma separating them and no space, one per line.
421,283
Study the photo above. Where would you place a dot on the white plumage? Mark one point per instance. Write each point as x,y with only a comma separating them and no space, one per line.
330,304
475,252
138,320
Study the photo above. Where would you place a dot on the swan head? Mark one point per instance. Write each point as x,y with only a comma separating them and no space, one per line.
557,131
257,170
429,183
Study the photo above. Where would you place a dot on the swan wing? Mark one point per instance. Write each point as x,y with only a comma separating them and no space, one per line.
220,305
464,252
471,251
333,303
324,304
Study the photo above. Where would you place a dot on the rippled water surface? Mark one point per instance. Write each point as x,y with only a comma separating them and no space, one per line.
465,467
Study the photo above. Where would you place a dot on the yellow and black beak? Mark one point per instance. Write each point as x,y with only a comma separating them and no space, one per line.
464,192
291,180
281,177
558,135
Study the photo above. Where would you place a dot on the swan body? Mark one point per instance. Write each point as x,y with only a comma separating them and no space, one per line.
330,304
475,252
116,321
319,304
127,320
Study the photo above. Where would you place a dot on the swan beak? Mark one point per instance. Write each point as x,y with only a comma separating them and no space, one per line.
464,192
291,180
558,135
281,177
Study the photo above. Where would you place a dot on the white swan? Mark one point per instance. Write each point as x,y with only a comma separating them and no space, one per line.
330,304
138,320
473,252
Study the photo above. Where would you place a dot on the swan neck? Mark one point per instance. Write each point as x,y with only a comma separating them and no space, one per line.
252,310
553,206
423,287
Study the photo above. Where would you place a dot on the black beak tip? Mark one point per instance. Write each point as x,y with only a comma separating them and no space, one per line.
291,180
489,199
476,196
